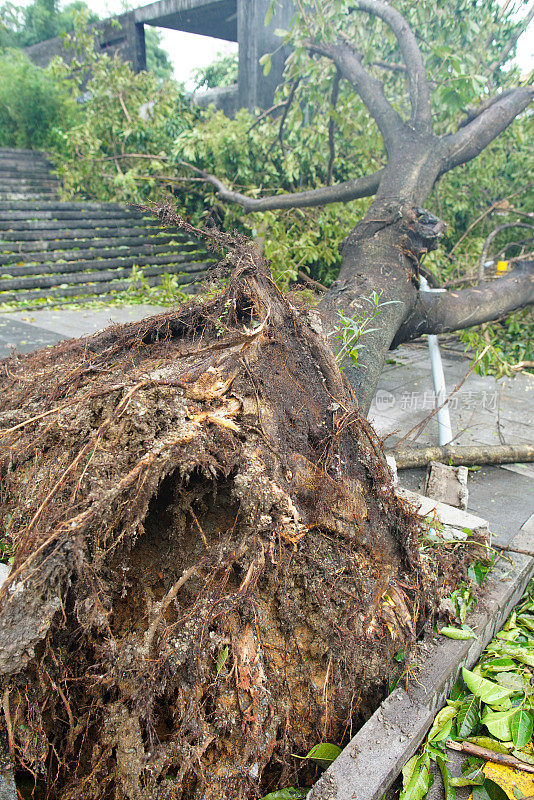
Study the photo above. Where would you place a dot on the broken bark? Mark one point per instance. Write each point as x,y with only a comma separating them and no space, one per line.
212,570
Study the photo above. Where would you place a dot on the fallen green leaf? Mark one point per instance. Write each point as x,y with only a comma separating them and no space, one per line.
323,754
445,716
468,717
450,791
458,633
488,691
528,758
498,723
499,665
471,777
489,791
420,782
489,744
521,727
222,656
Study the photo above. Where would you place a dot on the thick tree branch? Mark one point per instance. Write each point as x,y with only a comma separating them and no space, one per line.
332,129
411,54
464,145
368,87
443,312
365,186
471,112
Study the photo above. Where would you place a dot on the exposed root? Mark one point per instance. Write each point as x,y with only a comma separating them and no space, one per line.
212,571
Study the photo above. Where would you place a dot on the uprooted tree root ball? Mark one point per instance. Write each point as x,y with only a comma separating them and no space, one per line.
212,571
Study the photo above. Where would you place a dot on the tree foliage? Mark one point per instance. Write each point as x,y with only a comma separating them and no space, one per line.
221,72
157,59
22,26
33,103
124,147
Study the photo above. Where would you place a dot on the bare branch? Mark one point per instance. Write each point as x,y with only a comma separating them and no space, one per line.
443,312
512,41
500,202
290,99
411,55
271,110
332,129
464,145
491,237
389,65
366,186
368,87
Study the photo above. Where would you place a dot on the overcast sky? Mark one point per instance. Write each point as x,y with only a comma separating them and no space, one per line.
188,51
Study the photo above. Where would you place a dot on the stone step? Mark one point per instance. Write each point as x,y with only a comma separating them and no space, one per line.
59,205
15,257
27,190
7,163
58,249
45,281
8,197
20,151
24,170
188,253
86,244
96,216
24,182
18,227
82,234
85,289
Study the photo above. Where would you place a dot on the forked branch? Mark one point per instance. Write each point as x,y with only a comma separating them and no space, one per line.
370,89
411,55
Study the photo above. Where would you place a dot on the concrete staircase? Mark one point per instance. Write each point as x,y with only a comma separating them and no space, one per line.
26,175
55,249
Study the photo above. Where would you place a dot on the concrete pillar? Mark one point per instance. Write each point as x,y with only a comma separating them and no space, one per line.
255,39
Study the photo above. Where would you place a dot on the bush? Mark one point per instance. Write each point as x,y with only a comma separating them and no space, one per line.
32,103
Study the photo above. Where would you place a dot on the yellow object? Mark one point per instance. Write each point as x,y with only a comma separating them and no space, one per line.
510,779
502,266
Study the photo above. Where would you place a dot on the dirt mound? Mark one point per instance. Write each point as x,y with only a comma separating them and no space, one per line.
212,571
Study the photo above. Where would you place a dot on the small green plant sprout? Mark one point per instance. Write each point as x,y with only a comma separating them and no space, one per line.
350,330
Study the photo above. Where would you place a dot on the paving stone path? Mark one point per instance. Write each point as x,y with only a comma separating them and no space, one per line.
52,248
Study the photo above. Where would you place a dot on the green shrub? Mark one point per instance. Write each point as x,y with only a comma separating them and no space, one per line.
32,103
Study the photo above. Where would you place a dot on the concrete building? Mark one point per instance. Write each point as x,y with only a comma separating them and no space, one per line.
241,21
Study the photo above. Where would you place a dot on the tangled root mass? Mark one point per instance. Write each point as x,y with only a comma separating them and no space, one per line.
212,571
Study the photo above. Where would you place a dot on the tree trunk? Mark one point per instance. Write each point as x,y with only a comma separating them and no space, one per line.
212,570
381,254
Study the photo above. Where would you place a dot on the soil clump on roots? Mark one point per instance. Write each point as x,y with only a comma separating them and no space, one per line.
212,571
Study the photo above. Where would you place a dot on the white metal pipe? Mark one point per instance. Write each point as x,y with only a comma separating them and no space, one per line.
445,435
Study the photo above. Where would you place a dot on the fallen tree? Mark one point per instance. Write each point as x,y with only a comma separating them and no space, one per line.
384,251
212,571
